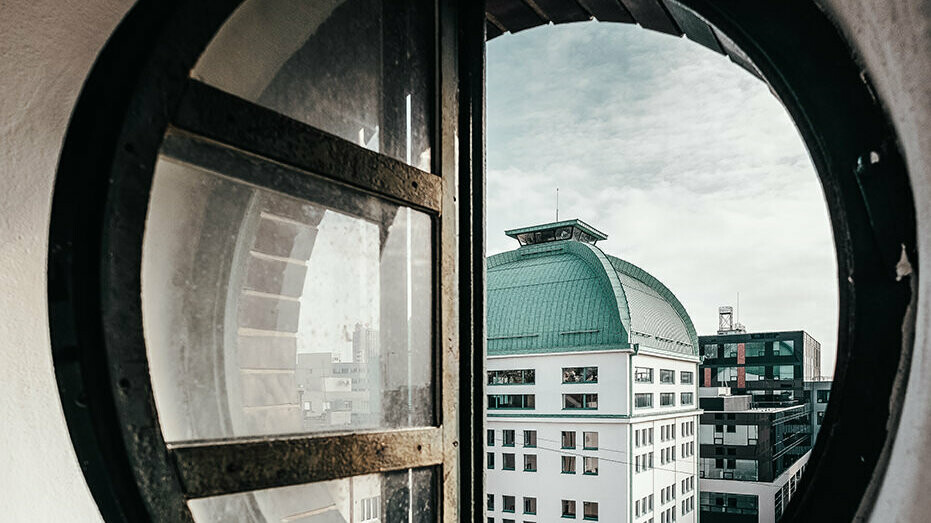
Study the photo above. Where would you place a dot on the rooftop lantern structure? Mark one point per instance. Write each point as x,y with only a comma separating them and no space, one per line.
557,231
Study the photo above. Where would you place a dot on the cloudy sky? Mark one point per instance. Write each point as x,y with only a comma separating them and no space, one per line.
689,164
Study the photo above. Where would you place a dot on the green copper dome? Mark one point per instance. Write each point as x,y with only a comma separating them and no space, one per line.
566,295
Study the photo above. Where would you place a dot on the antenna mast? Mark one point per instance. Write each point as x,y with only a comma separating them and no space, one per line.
557,204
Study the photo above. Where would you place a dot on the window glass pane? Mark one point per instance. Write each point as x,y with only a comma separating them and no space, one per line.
568,440
667,376
405,495
507,437
686,377
530,462
367,79
590,440
530,438
643,375
268,314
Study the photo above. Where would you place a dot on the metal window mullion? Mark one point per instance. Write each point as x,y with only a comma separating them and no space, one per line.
228,467
208,112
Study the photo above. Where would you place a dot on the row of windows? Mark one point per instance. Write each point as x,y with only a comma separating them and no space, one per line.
511,401
688,505
644,400
643,462
589,465
643,506
668,515
667,494
528,401
688,428
667,455
528,376
508,460
589,440
755,373
688,484
589,509
507,438
688,449
729,503
643,437
752,349
645,375
667,432
512,377
508,504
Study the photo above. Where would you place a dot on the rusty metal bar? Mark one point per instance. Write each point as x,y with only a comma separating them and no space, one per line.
209,112
217,468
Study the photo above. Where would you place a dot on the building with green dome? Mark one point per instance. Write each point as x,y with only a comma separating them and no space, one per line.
592,390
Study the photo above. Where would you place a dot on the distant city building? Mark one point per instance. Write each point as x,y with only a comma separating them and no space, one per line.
592,386
817,394
751,458
757,429
772,367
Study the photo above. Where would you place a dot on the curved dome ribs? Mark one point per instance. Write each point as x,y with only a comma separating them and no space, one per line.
570,296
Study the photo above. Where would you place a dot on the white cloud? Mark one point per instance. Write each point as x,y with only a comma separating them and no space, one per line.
689,164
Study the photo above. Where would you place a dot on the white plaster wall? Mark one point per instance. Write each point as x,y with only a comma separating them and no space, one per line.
893,40
46,49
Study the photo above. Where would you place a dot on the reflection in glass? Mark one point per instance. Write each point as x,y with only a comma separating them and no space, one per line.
267,314
402,496
367,79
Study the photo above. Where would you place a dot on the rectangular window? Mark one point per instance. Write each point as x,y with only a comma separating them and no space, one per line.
686,398
579,401
491,502
820,417
509,504
823,396
530,462
643,400
530,505
530,438
590,510
507,438
590,440
512,377
730,350
580,375
643,375
755,349
783,348
568,439
490,437
686,377
590,466
490,458
637,437
568,464
511,401
507,461
667,399
783,372
711,350
568,508
651,428
667,376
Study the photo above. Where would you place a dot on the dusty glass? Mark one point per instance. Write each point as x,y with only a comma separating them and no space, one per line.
367,79
402,496
269,314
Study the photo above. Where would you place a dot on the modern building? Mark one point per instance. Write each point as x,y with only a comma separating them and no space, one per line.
751,458
757,429
592,390
817,395
771,367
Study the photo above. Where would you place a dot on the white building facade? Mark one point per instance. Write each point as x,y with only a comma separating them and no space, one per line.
592,386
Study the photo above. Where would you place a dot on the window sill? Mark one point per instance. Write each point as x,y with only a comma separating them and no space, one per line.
589,448
564,472
507,469
580,408
589,473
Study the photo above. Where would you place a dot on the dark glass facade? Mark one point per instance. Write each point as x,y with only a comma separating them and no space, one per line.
771,367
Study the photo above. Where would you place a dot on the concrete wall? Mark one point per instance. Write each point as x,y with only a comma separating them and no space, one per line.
46,50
